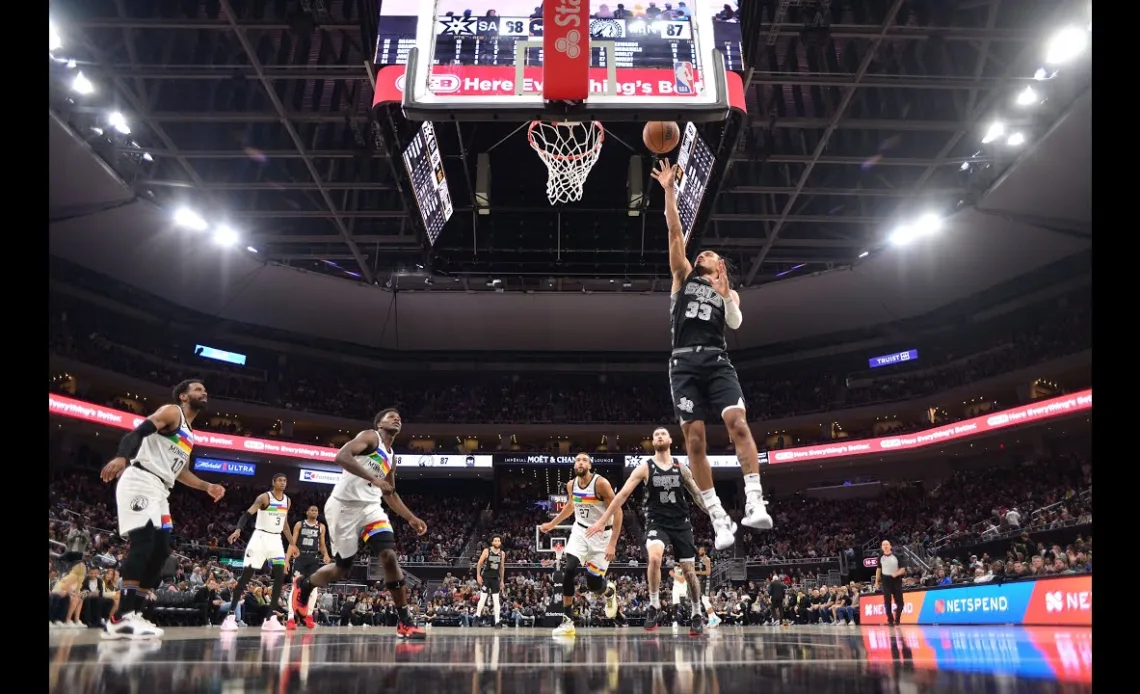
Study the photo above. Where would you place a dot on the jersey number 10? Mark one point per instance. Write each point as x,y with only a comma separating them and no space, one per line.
695,309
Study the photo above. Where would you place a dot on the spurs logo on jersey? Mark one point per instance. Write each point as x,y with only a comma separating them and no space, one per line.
697,314
309,537
165,455
352,488
271,519
588,508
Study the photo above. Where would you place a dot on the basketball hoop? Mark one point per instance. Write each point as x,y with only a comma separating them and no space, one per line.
569,150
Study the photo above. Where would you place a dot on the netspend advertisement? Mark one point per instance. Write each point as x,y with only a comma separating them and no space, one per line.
1064,601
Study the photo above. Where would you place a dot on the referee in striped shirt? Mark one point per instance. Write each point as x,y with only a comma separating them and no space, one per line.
890,575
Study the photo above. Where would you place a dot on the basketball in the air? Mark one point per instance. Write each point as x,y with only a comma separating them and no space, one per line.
661,137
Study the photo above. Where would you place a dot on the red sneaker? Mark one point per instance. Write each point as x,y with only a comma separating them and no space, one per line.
404,631
300,609
309,623
290,625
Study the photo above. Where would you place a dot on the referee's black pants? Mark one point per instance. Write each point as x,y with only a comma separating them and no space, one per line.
893,588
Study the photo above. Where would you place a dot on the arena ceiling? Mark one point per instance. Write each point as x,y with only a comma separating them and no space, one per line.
862,117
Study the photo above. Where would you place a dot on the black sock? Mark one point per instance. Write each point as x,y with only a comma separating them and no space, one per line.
128,598
278,579
306,590
568,610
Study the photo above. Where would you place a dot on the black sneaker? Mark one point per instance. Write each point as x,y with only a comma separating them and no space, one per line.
651,619
697,625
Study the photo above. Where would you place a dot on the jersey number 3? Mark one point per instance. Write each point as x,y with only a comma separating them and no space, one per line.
695,309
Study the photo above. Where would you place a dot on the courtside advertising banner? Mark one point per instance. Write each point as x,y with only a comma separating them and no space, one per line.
1065,601
90,412
1039,411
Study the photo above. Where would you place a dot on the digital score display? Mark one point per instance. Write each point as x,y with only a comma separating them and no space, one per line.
469,32
696,163
429,184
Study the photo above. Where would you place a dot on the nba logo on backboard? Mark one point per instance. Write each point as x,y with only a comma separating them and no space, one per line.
683,79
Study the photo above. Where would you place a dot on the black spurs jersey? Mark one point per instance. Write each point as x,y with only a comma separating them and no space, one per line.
697,314
491,567
665,500
309,539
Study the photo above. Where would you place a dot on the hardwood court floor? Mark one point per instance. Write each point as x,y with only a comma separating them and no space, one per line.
728,660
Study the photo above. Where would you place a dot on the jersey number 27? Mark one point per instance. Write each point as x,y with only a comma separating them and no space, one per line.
695,309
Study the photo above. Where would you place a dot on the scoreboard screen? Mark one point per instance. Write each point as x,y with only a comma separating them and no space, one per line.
474,32
429,185
696,162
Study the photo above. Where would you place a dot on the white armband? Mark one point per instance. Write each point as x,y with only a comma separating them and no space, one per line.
732,315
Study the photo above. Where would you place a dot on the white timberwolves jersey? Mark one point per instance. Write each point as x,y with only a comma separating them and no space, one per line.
352,488
588,508
271,519
165,455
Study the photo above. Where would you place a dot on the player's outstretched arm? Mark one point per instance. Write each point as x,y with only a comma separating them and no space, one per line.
216,491
635,478
679,266
691,486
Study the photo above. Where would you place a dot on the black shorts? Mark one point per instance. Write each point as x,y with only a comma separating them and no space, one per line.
703,385
491,585
306,565
677,534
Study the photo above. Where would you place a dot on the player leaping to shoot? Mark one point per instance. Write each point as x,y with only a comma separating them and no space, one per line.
702,381
666,522
587,495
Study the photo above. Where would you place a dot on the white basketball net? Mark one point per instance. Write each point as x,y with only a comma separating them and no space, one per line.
569,151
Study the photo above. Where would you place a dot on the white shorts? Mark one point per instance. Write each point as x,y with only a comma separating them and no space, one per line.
264,547
351,523
679,592
142,498
590,551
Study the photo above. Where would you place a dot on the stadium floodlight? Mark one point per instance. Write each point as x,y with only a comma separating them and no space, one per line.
903,235
54,41
251,249
225,236
1016,140
82,85
119,122
189,219
1065,45
1027,97
864,254
995,131
928,223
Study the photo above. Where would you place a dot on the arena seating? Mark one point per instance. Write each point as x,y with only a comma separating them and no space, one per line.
108,339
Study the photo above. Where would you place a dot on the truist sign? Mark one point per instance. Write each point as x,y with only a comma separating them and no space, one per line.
566,49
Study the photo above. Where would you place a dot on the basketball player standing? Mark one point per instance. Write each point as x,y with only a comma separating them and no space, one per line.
271,510
666,522
356,516
586,498
702,380
704,572
312,552
150,459
490,573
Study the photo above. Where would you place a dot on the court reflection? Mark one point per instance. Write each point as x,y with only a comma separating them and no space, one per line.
924,659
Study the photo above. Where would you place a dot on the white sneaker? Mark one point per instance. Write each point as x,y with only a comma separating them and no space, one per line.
132,627
151,624
611,601
229,623
756,513
725,530
271,623
566,628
